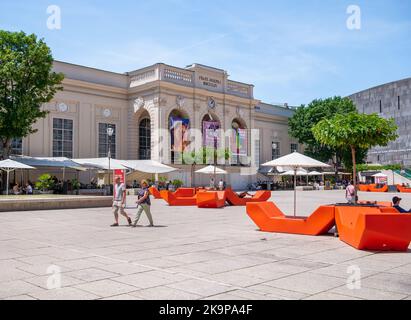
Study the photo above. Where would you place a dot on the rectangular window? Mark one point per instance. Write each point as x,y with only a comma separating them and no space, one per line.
294,147
16,147
380,106
105,142
399,103
275,150
62,138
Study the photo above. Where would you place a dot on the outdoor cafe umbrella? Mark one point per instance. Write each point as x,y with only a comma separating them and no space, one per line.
9,166
296,161
212,170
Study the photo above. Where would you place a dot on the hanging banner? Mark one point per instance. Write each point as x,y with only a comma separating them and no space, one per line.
209,134
242,142
179,130
238,142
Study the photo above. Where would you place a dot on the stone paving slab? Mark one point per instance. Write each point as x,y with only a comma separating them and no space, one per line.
195,254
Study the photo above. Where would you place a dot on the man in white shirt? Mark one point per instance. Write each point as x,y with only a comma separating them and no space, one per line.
119,202
350,193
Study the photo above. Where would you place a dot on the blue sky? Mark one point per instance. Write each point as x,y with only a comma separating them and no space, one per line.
292,51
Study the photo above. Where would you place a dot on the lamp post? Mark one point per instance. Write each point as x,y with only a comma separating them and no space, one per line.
110,132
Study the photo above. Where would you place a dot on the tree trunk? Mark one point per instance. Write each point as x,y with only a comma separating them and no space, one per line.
354,168
193,175
6,144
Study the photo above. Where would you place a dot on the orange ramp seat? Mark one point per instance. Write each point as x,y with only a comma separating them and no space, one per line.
403,189
234,200
155,193
378,203
185,192
375,189
211,199
172,200
364,187
374,228
269,218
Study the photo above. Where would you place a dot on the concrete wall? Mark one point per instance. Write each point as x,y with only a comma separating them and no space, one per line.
392,100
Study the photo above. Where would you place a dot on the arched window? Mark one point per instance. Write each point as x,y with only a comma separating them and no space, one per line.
144,152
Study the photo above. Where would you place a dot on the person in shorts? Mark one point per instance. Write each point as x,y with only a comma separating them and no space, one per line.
119,202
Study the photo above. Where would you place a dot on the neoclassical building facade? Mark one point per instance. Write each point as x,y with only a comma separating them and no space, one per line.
160,112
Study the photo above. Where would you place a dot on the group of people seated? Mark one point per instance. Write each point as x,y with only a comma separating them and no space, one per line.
18,190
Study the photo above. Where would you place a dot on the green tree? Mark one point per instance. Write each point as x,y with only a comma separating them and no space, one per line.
306,117
357,131
26,82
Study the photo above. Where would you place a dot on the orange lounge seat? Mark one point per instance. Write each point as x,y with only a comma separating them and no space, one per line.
155,193
402,189
211,199
172,200
364,187
269,218
185,192
374,228
375,189
378,203
234,200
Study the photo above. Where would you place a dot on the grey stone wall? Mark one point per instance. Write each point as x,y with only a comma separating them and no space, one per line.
392,100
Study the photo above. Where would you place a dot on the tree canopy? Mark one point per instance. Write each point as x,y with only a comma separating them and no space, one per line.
356,131
306,117
26,83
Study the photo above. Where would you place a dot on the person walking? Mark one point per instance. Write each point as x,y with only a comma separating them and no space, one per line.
143,204
119,202
350,193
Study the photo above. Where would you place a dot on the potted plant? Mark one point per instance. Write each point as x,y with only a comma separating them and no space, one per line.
45,184
177,184
75,184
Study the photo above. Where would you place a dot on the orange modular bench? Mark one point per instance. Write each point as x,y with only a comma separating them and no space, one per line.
234,200
374,228
155,193
211,199
185,192
172,200
364,187
378,203
269,218
402,189
374,188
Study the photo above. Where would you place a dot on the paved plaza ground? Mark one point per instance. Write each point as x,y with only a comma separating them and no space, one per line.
191,254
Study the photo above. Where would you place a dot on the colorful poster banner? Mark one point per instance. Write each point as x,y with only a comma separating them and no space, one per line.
211,138
179,130
238,142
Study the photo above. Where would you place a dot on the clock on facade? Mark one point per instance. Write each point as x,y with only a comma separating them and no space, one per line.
62,107
107,113
211,103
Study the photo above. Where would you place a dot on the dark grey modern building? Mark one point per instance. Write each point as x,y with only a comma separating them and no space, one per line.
391,100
